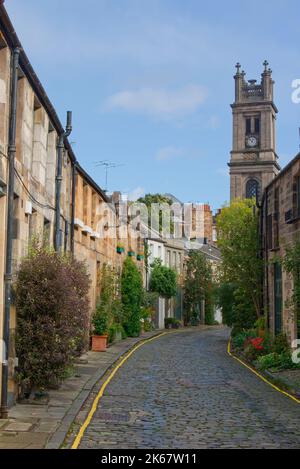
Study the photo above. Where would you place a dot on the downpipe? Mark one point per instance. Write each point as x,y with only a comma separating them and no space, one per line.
9,232
60,149
74,173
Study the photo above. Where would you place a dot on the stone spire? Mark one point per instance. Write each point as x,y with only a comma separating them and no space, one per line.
239,79
267,82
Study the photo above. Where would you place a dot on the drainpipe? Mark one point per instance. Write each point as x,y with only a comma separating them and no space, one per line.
60,149
74,172
9,233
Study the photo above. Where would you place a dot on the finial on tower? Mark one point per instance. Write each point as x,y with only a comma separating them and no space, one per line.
238,67
266,64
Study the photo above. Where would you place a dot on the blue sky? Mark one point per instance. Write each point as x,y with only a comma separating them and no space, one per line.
150,83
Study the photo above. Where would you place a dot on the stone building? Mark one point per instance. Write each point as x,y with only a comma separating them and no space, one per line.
280,227
254,162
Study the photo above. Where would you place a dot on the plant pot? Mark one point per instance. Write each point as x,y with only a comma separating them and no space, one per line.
99,343
120,250
140,257
131,254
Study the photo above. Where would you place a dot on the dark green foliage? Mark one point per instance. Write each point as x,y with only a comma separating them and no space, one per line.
281,345
163,280
225,301
238,341
198,287
132,295
277,362
243,312
114,330
239,243
152,201
52,309
172,323
100,321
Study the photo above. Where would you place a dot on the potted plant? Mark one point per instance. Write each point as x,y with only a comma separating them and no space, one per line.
120,249
101,327
140,257
131,254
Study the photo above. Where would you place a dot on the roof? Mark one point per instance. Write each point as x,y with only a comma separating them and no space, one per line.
14,42
284,170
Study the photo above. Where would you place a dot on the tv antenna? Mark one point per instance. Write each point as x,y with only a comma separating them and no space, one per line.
107,165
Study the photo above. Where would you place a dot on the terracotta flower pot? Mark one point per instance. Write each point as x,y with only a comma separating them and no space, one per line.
99,343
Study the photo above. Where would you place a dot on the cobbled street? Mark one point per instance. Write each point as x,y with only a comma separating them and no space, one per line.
184,391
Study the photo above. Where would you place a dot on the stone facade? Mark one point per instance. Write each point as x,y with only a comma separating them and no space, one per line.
280,225
253,162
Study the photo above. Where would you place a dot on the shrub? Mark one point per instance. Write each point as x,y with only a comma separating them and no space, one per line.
275,361
172,322
52,316
132,295
239,340
225,300
163,280
114,330
280,344
101,321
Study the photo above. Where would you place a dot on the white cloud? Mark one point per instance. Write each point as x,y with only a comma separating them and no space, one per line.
159,103
168,153
213,122
136,194
223,172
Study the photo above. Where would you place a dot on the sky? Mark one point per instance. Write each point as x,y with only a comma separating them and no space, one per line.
150,83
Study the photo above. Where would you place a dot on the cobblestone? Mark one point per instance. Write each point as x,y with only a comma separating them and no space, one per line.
184,391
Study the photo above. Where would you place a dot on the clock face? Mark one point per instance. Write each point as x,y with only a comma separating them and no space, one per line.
252,141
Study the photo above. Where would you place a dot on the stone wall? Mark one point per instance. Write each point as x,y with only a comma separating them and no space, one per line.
280,227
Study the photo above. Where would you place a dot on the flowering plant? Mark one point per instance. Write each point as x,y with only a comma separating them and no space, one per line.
257,343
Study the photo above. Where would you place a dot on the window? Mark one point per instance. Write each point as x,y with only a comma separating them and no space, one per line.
47,230
296,197
248,126
270,232
276,219
159,252
252,189
257,125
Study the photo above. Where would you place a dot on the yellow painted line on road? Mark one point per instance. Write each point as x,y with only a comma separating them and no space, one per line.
88,420
261,376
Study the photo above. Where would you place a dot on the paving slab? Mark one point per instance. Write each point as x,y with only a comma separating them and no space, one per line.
18,427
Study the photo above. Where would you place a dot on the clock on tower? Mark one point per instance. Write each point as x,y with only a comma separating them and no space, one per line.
253,162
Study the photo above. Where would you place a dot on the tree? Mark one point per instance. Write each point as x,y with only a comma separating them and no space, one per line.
238,240
225,300
163,280
198,288
152,201
132,296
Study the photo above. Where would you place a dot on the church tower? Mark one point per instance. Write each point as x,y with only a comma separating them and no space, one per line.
254,162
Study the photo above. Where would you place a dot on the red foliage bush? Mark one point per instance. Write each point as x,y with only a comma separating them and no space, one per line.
52,316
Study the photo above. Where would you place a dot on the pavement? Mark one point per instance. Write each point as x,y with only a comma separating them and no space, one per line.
46,425
184,391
